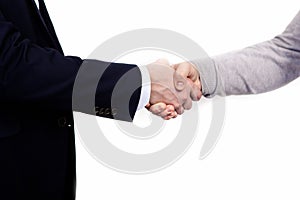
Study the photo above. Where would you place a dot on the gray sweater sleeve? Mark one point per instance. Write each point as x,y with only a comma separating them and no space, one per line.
256,69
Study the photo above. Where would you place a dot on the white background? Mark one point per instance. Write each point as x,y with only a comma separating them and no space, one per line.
258,154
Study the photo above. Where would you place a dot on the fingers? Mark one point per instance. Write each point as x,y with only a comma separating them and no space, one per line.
165,111
169,111
195,91
158,108
179,109
187,99
183,69
170,116
187,70
174,99
188,104
148,106
178,91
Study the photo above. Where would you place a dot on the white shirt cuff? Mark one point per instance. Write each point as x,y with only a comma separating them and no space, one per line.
146,88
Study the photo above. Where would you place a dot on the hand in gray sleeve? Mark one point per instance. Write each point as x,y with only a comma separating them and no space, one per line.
256,69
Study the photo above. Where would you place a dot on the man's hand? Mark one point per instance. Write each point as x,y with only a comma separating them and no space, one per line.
189,71
186,73
163,90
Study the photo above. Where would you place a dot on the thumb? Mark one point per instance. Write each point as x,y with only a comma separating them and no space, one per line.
182,69
179,81
187,70
181,72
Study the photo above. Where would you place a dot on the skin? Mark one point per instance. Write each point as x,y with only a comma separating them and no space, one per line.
163,89
186,74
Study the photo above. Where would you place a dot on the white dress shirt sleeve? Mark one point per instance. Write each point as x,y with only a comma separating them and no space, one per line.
146,88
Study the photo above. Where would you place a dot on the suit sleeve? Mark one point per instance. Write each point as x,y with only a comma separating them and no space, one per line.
43,78
256,69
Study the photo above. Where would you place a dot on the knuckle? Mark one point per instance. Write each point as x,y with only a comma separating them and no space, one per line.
184,98
189,107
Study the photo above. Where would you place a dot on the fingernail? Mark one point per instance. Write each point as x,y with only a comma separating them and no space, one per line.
180,84
199,96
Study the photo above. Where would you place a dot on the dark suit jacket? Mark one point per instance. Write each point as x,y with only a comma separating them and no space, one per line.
36,84
36,76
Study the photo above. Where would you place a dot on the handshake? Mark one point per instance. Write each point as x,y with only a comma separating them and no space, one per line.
173,88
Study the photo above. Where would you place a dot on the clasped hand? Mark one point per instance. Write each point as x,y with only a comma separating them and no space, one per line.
173,88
